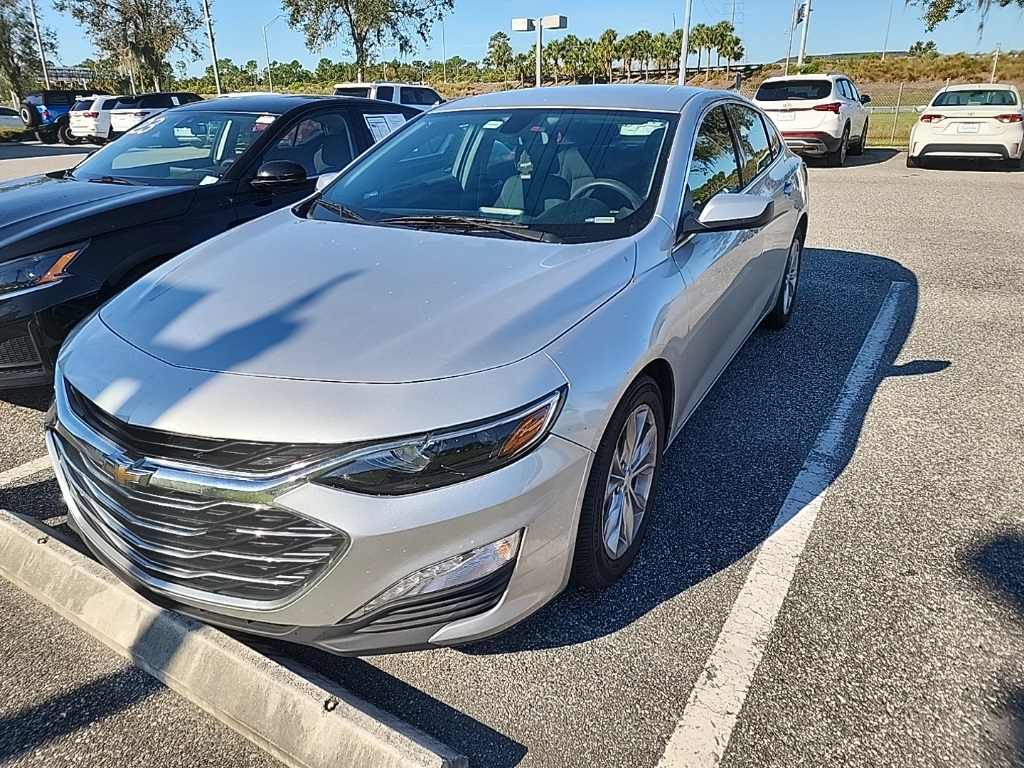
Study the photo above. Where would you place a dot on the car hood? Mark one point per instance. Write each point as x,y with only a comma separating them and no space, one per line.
42,212
344,302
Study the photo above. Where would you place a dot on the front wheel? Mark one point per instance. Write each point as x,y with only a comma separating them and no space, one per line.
786,300
621,488
66,136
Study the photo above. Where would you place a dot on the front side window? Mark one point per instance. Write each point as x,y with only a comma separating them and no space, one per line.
853,90
385,92
755,148
174,147
320,144
714,168
581,175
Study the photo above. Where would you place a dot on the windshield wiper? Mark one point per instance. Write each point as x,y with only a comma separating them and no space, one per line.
339,210
474,223
116,180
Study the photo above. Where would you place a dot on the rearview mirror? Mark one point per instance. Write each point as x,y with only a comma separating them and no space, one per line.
325,180
280,173
729,212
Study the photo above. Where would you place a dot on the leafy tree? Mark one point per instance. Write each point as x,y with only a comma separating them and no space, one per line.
553,53
138,32
523,64
607,51
19,58
664,52
720,34
701,38
499,51
921,48
732,49
365,24
938,11
644,42
628,51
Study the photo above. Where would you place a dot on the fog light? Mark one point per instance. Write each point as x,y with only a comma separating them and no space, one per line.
453,572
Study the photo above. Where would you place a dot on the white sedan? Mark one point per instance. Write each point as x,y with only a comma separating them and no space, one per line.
9,118
983,121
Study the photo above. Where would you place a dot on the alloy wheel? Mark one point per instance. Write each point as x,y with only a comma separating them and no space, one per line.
630,481
792,276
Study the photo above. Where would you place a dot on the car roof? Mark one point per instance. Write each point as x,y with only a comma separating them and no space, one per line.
379,82
980,87
650,98
820,76
274,103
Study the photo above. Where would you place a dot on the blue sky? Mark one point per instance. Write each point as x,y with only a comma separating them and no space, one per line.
764,30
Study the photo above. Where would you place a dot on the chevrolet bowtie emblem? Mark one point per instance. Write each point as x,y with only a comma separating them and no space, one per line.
124,472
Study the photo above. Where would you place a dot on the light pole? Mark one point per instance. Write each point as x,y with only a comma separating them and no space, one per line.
39,42
266,50
213,48
684,48
539,25
792,28
803,34
444,55
885,45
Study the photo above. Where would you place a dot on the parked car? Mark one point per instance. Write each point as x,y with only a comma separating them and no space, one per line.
90,118
132,110
9,118
404,412
47,113
980,121
71,239
818,115
418,96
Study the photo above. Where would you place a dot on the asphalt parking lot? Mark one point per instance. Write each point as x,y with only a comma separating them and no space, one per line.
889,636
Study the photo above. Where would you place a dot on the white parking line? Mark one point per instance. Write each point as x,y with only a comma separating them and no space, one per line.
11,476
702,735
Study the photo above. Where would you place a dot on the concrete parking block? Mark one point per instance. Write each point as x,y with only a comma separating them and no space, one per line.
303,720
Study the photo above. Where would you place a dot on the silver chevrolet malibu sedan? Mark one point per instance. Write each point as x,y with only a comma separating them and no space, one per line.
406,412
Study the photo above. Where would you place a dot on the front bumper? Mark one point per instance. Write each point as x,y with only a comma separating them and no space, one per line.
386,538
34,323
811,142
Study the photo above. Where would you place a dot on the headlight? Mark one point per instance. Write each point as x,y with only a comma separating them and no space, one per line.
38,269
442,458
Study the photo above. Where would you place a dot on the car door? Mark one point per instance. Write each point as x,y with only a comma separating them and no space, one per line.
718,267
853,107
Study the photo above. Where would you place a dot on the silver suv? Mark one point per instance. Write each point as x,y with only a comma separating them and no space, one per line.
818,115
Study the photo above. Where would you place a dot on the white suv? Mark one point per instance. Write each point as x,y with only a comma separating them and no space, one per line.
817,115
132,110
417,96
90,118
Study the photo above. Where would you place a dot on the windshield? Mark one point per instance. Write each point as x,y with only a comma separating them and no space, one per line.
982,97
794,90
176,148
581,175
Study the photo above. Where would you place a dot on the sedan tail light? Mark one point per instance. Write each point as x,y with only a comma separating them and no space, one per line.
90,114
140,114
1014,117
834,107
932,118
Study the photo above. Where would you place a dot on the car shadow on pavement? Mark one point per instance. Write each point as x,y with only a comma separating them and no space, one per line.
36,398
942,164
1000,566
730,470
34,149
871,156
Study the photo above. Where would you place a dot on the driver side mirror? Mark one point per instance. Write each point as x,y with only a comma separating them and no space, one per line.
279,173
921,108
729,212
865,99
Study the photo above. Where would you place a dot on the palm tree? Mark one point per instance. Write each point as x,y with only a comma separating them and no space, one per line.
732,50
645,50
499,51
628,52
720,34
663,51
700,38
606,50
571,52
554,53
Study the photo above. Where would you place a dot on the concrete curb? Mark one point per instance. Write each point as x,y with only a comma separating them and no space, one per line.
306,721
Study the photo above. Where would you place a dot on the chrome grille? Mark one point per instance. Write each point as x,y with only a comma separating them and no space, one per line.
214,545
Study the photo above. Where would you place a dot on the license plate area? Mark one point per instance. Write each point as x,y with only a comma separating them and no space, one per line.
786,116
968,128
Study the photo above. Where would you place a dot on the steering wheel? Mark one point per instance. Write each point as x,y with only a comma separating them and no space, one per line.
612,184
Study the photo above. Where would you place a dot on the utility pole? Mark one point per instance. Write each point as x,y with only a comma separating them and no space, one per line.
803,35
39,42
266,50
213,48
885,45
684,48
444,54
995,63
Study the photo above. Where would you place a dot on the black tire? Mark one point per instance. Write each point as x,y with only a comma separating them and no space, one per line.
593,567
47,137
780,313
862,143
837,158
913,162
1011,164
66,136
30,116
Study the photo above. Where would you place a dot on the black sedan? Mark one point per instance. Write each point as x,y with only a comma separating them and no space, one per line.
70,240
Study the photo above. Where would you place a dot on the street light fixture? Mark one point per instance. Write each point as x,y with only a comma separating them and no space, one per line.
266,49
539,25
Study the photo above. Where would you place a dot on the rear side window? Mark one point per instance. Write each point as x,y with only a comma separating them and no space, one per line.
108,104
714,168
157,101
755,148
82,106
980,97
361,92
128,102
385,92
59,98
794,90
